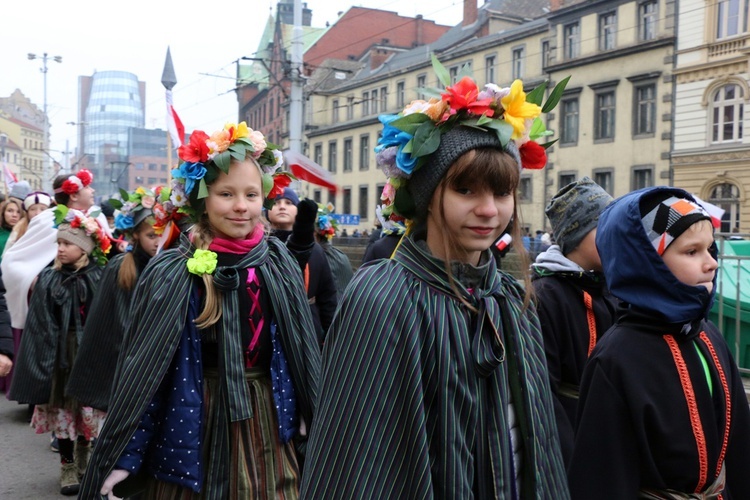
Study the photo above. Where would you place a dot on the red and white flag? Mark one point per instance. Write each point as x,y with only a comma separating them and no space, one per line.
174,124
715,212
9,176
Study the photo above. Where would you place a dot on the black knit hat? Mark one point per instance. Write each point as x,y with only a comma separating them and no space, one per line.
574,212
453,144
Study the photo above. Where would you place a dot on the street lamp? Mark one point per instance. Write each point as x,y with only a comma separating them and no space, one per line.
47,182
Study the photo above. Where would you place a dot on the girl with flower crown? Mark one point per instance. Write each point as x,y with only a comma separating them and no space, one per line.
92,375
217,380
434,383
58,312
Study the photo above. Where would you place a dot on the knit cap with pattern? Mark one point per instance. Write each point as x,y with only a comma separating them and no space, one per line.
667,214
574,212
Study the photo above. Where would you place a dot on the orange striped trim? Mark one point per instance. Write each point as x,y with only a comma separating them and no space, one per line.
727,399
307,277
591,319
695,418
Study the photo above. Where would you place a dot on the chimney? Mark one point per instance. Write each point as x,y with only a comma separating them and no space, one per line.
378,57
419,36
470,12
556,4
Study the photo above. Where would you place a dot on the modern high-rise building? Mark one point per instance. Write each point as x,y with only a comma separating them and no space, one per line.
110,103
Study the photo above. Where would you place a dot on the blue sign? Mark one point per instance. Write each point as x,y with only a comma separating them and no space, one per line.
346,219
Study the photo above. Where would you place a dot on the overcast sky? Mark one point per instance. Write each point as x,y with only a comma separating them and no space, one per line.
205,38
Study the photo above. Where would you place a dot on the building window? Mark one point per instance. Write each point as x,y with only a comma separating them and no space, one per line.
384,99
365,104
332,156
400,94
350,108
572,41
348,153
727,197
364,152
332,198
604,115
374,101
605,178
364,203
517,69
421,83
335,106
642,177
731,18
565,178
489,69
524,190
347,200
317,196
647,19
152,166
569,110
645,109
453,71
318,154
727,116
607,30
379,193
545,54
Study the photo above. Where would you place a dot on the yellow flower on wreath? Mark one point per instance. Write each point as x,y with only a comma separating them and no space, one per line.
517,110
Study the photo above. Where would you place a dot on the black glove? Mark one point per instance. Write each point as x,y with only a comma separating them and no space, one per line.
303,231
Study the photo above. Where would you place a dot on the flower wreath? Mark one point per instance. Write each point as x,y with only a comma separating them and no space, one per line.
326,225
205,157
411,136
76,182
92,228
134,208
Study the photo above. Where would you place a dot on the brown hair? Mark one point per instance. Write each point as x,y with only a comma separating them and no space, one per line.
82,262
128,273
61,198
485,169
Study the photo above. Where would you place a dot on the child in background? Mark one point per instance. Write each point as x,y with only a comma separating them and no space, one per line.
341,267
575,308
662,410
57,314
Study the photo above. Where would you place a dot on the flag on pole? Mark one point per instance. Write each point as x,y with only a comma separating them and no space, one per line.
174,124
9,176
715,212
307,170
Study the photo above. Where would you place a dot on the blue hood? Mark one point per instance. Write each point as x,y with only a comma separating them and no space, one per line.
635,272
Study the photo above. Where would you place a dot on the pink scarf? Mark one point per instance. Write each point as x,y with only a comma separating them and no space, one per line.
242,246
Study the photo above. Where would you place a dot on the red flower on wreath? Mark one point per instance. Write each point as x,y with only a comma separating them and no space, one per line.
463,95
279,183
196,151
86,176
533,156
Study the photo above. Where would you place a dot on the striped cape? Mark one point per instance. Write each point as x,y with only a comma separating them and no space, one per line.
160,304
415,390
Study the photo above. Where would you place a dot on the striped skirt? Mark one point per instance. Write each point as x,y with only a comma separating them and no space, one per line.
257,465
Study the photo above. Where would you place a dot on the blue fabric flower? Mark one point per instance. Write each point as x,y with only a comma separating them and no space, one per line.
123,222
391,136
191,172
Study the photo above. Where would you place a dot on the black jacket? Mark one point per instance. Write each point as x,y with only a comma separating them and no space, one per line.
6,334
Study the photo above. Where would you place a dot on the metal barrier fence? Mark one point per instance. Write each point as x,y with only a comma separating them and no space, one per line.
733,292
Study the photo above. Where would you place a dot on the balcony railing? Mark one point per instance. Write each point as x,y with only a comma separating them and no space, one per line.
727,48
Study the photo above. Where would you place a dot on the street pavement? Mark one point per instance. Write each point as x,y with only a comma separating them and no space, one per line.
28,469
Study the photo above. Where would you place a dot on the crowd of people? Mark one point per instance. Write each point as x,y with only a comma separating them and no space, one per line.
213,343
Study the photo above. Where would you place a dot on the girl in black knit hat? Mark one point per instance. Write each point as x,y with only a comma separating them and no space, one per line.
434,382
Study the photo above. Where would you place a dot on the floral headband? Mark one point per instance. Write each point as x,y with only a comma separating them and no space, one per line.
76,182
134,208
92,228
411,136
205,157
325,225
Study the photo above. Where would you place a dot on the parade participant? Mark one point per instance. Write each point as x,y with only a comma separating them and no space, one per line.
217,379
663,411
7,346
11,211
34,204
37,248
434,383
91,377
293,221
57,314
392,229
575,308
340,265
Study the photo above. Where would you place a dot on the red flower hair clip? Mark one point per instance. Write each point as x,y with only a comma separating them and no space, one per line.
76,182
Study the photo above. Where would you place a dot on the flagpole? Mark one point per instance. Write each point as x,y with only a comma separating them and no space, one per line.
174,124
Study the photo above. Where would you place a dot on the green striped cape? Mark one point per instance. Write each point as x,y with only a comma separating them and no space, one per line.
415,390
159,310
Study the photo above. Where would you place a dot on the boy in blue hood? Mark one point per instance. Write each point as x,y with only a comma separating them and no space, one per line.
662,410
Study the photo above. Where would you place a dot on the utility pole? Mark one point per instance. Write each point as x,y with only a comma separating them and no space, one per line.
46,177
295,105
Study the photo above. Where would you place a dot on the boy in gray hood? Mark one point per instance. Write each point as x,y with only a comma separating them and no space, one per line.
575,308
